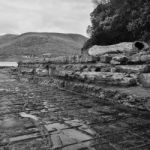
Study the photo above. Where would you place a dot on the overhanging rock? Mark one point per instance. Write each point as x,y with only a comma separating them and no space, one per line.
117,79
113,49
125,47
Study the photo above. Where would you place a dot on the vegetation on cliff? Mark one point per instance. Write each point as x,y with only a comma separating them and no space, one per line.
37,44
117,21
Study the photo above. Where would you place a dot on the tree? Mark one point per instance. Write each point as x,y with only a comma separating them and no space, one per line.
117,21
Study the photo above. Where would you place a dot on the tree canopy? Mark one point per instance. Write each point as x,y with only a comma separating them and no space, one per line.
117,21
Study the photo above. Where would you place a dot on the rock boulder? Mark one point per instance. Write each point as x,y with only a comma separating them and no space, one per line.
108,78
114,49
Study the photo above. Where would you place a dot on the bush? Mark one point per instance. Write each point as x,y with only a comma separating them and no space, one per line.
119,21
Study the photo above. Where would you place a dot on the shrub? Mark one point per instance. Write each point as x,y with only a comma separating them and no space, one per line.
119,21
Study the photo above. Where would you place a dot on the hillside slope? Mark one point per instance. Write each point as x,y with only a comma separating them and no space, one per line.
40,43
7,38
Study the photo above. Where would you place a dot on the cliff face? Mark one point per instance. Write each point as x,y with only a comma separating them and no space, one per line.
117,77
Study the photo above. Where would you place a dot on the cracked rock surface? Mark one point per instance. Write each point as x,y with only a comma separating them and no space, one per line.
36,117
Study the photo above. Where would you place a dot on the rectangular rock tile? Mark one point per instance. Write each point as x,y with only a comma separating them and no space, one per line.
66,140
80,146
76,147
56,141
49,128
88,131
73,123
133,68
23,138
55,126
75,134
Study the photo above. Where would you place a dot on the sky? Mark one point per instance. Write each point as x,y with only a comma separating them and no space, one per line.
64,16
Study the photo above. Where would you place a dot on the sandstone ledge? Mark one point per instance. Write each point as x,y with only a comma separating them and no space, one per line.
122,98
121,72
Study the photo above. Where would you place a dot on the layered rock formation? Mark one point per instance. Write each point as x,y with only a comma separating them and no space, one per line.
112,74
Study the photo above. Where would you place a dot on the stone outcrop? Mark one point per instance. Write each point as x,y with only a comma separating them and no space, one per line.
99,78
42,72
126,47
117,79
112,67
113,49
75,59
123,66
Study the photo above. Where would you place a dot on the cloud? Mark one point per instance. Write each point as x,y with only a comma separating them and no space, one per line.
68,16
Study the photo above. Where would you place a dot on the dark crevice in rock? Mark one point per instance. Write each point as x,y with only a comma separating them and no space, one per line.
139,45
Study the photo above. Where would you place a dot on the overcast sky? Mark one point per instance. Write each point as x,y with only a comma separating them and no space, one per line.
67,16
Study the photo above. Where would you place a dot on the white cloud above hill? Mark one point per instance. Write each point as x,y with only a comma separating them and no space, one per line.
67,16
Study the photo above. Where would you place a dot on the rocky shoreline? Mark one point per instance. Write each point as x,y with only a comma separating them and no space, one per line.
116,77
40,116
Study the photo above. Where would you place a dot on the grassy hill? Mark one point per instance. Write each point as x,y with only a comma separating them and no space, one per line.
7,38
37,44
